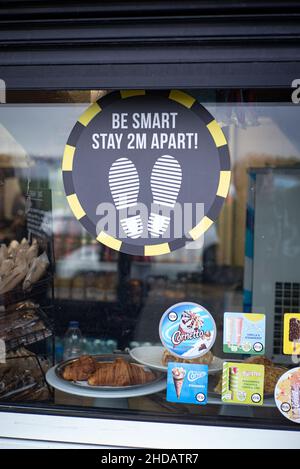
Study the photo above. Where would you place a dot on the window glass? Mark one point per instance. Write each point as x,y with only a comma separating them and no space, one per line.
248,261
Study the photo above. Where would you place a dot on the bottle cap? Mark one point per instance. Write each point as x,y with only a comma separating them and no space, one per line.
73,324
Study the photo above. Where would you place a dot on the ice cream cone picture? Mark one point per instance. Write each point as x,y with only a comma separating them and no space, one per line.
187,383
178,379
190,322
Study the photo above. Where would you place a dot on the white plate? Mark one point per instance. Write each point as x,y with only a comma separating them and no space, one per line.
65,386
151,356
106,358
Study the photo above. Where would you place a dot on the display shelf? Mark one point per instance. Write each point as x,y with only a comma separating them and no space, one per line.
24,387
17,295
212,399
32,337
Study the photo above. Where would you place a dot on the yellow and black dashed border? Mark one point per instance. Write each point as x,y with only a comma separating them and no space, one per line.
224,179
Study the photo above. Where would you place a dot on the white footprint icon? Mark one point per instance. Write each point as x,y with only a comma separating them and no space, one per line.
124,185
166,178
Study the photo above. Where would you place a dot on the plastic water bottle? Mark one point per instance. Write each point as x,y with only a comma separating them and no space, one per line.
73,341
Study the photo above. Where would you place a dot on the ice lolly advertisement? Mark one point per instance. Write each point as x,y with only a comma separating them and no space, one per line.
244,333
287,394
187,330
243,383
291,334
187,383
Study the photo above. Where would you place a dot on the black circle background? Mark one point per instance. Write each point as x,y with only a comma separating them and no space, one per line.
261,349
201,168
202,395
254,400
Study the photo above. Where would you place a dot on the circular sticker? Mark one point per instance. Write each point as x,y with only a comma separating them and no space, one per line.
258,347
200,397
192,334
145,172
256,397
287,394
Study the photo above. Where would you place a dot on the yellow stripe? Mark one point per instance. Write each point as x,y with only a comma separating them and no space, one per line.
156,249
199,229
109,241
129,93
89,114
76,206
217,133
224,183
254,317
182,98
67,163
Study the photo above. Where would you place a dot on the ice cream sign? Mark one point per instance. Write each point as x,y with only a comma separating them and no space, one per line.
243,383
146,172
291,334
244,333
187,330
187,383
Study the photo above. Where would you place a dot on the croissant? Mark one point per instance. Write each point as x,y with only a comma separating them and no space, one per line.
139,375
119,373
111,374
80,370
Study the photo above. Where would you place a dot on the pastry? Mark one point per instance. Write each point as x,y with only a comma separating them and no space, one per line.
19,263
139,375
117,373
80,369
21,373
120,373
32,253
36,271
259,360
203,360
111,374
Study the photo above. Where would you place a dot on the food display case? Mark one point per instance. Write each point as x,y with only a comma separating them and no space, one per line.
110,341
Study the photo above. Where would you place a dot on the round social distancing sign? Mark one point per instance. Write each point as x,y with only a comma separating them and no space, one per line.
187,330
145,172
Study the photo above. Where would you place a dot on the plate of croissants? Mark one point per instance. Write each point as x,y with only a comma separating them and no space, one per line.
106,372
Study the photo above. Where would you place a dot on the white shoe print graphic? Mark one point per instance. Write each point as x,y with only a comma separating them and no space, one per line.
124,185
166,178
